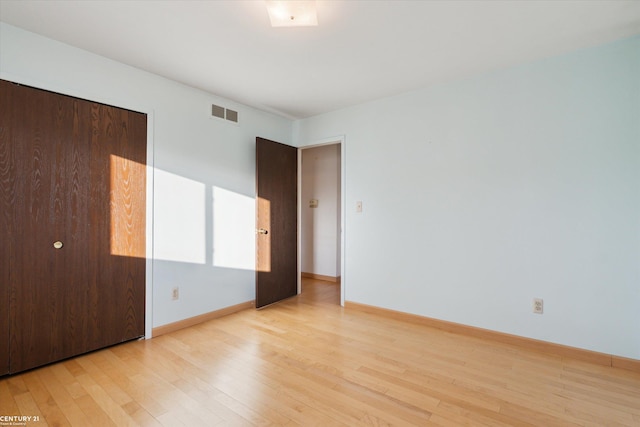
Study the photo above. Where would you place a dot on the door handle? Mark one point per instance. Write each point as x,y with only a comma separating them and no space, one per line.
58,244
262,231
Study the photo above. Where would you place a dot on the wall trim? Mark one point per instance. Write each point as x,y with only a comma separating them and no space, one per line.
333,279
625,363
504,338
191,321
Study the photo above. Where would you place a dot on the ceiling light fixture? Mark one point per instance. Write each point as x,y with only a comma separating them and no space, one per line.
292,13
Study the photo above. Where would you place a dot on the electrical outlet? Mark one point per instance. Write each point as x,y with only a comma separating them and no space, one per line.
538,305
175,293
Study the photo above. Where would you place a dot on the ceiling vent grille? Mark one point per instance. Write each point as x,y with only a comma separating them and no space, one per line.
224,113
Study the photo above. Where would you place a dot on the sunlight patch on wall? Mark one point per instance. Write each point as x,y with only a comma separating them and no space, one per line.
127,207
233,230
179,218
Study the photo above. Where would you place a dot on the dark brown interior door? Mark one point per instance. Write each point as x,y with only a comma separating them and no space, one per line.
276,221
73,183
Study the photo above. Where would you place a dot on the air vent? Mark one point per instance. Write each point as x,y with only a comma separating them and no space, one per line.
232,116
224,113
217,111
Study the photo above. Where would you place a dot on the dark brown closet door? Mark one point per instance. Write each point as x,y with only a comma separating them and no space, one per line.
76,186
117,216
6,222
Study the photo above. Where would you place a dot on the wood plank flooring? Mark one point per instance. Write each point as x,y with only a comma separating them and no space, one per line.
307,361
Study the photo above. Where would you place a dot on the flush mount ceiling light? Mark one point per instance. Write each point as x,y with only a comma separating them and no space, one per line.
292,13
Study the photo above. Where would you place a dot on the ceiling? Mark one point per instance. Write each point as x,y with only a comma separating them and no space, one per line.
360,51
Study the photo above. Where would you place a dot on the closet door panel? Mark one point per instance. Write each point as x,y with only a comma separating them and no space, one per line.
47,311
7,201
75,191
118,200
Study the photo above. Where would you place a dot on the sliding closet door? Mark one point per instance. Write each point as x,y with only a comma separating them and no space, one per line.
117,216
75,190
6,222
49,172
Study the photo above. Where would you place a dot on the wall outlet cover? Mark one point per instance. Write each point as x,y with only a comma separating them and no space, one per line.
538,305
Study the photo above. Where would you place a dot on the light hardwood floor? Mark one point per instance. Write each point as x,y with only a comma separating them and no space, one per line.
307,361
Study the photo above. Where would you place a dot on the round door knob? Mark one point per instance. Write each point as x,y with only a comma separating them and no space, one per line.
263,231
58,244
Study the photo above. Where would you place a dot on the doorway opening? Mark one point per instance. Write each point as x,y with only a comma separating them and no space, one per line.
320,218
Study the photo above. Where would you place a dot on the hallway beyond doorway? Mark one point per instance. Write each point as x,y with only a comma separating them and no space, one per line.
319,292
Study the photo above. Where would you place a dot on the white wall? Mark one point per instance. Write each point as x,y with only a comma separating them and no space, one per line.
204,186
320,226
478,195
482,194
